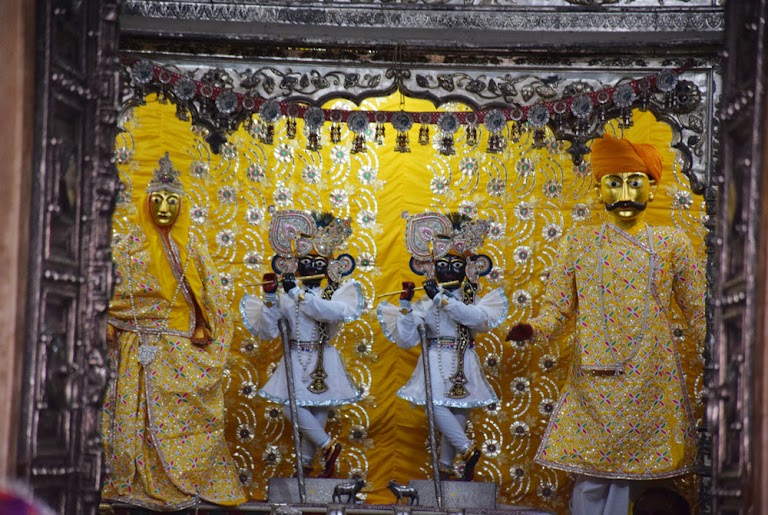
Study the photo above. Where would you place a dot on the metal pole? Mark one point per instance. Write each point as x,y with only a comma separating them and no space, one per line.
282,325
430,415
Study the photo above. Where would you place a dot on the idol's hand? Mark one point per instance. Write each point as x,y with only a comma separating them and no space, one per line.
289,282
270,281
520,332
111,334
431,288
407,294
201,336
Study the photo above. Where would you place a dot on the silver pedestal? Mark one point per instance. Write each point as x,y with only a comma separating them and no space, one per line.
457,494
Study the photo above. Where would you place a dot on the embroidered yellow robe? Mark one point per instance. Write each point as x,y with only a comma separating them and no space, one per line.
624,411
163,417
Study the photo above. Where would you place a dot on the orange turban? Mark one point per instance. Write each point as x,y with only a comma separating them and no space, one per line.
614,155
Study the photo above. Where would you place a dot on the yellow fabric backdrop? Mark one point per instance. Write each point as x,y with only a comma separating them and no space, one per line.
532,196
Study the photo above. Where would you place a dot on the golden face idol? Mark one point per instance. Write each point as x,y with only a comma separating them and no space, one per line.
626,195
164,207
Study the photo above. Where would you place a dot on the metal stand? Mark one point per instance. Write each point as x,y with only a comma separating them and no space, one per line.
438,494
282,325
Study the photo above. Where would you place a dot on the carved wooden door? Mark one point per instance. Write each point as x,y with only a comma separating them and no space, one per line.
735,289
76,77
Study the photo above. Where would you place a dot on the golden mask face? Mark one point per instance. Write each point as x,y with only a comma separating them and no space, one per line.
164,207
627,194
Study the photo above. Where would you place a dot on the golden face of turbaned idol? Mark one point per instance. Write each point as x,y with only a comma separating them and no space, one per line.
164,207
626,196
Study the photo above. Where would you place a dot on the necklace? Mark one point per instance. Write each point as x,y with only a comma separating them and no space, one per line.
303,355
617,366
445,377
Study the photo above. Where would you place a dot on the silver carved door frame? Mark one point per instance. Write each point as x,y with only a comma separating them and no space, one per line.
59,450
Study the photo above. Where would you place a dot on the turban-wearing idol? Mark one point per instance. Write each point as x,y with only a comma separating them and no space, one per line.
305,243
443,248
169,335
624,412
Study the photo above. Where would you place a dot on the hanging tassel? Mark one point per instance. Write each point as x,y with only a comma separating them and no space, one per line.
267,134
496,143
402,143
471,135
516,132
539,137
402,123
335,133
290,128
313,141
181,112
358,143
424,134
379,137
446,145
626,118
335,130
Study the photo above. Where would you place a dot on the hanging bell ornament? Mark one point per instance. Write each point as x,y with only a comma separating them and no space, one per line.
516,132
666,81
358,144
495,143
402,123
335,129
269,112
624,97
470,119
335,133
358,123
448,123
380,132
292,111
538,117
402,143
267,134
313,141
471,135
582,108
495,121
424,119
424,135
446,145
290,128
182,113
379,137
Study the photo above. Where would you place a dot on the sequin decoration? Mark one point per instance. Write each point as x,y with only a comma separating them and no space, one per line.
226,238
439,185
523,211
255,173
226,194
521,298
524,167
254,216
521,254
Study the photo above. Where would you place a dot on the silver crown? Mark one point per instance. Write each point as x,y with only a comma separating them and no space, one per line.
166,178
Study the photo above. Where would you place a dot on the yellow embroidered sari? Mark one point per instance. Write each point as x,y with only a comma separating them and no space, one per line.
163,418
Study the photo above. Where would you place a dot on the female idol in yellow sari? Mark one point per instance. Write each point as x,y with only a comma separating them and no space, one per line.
169,334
